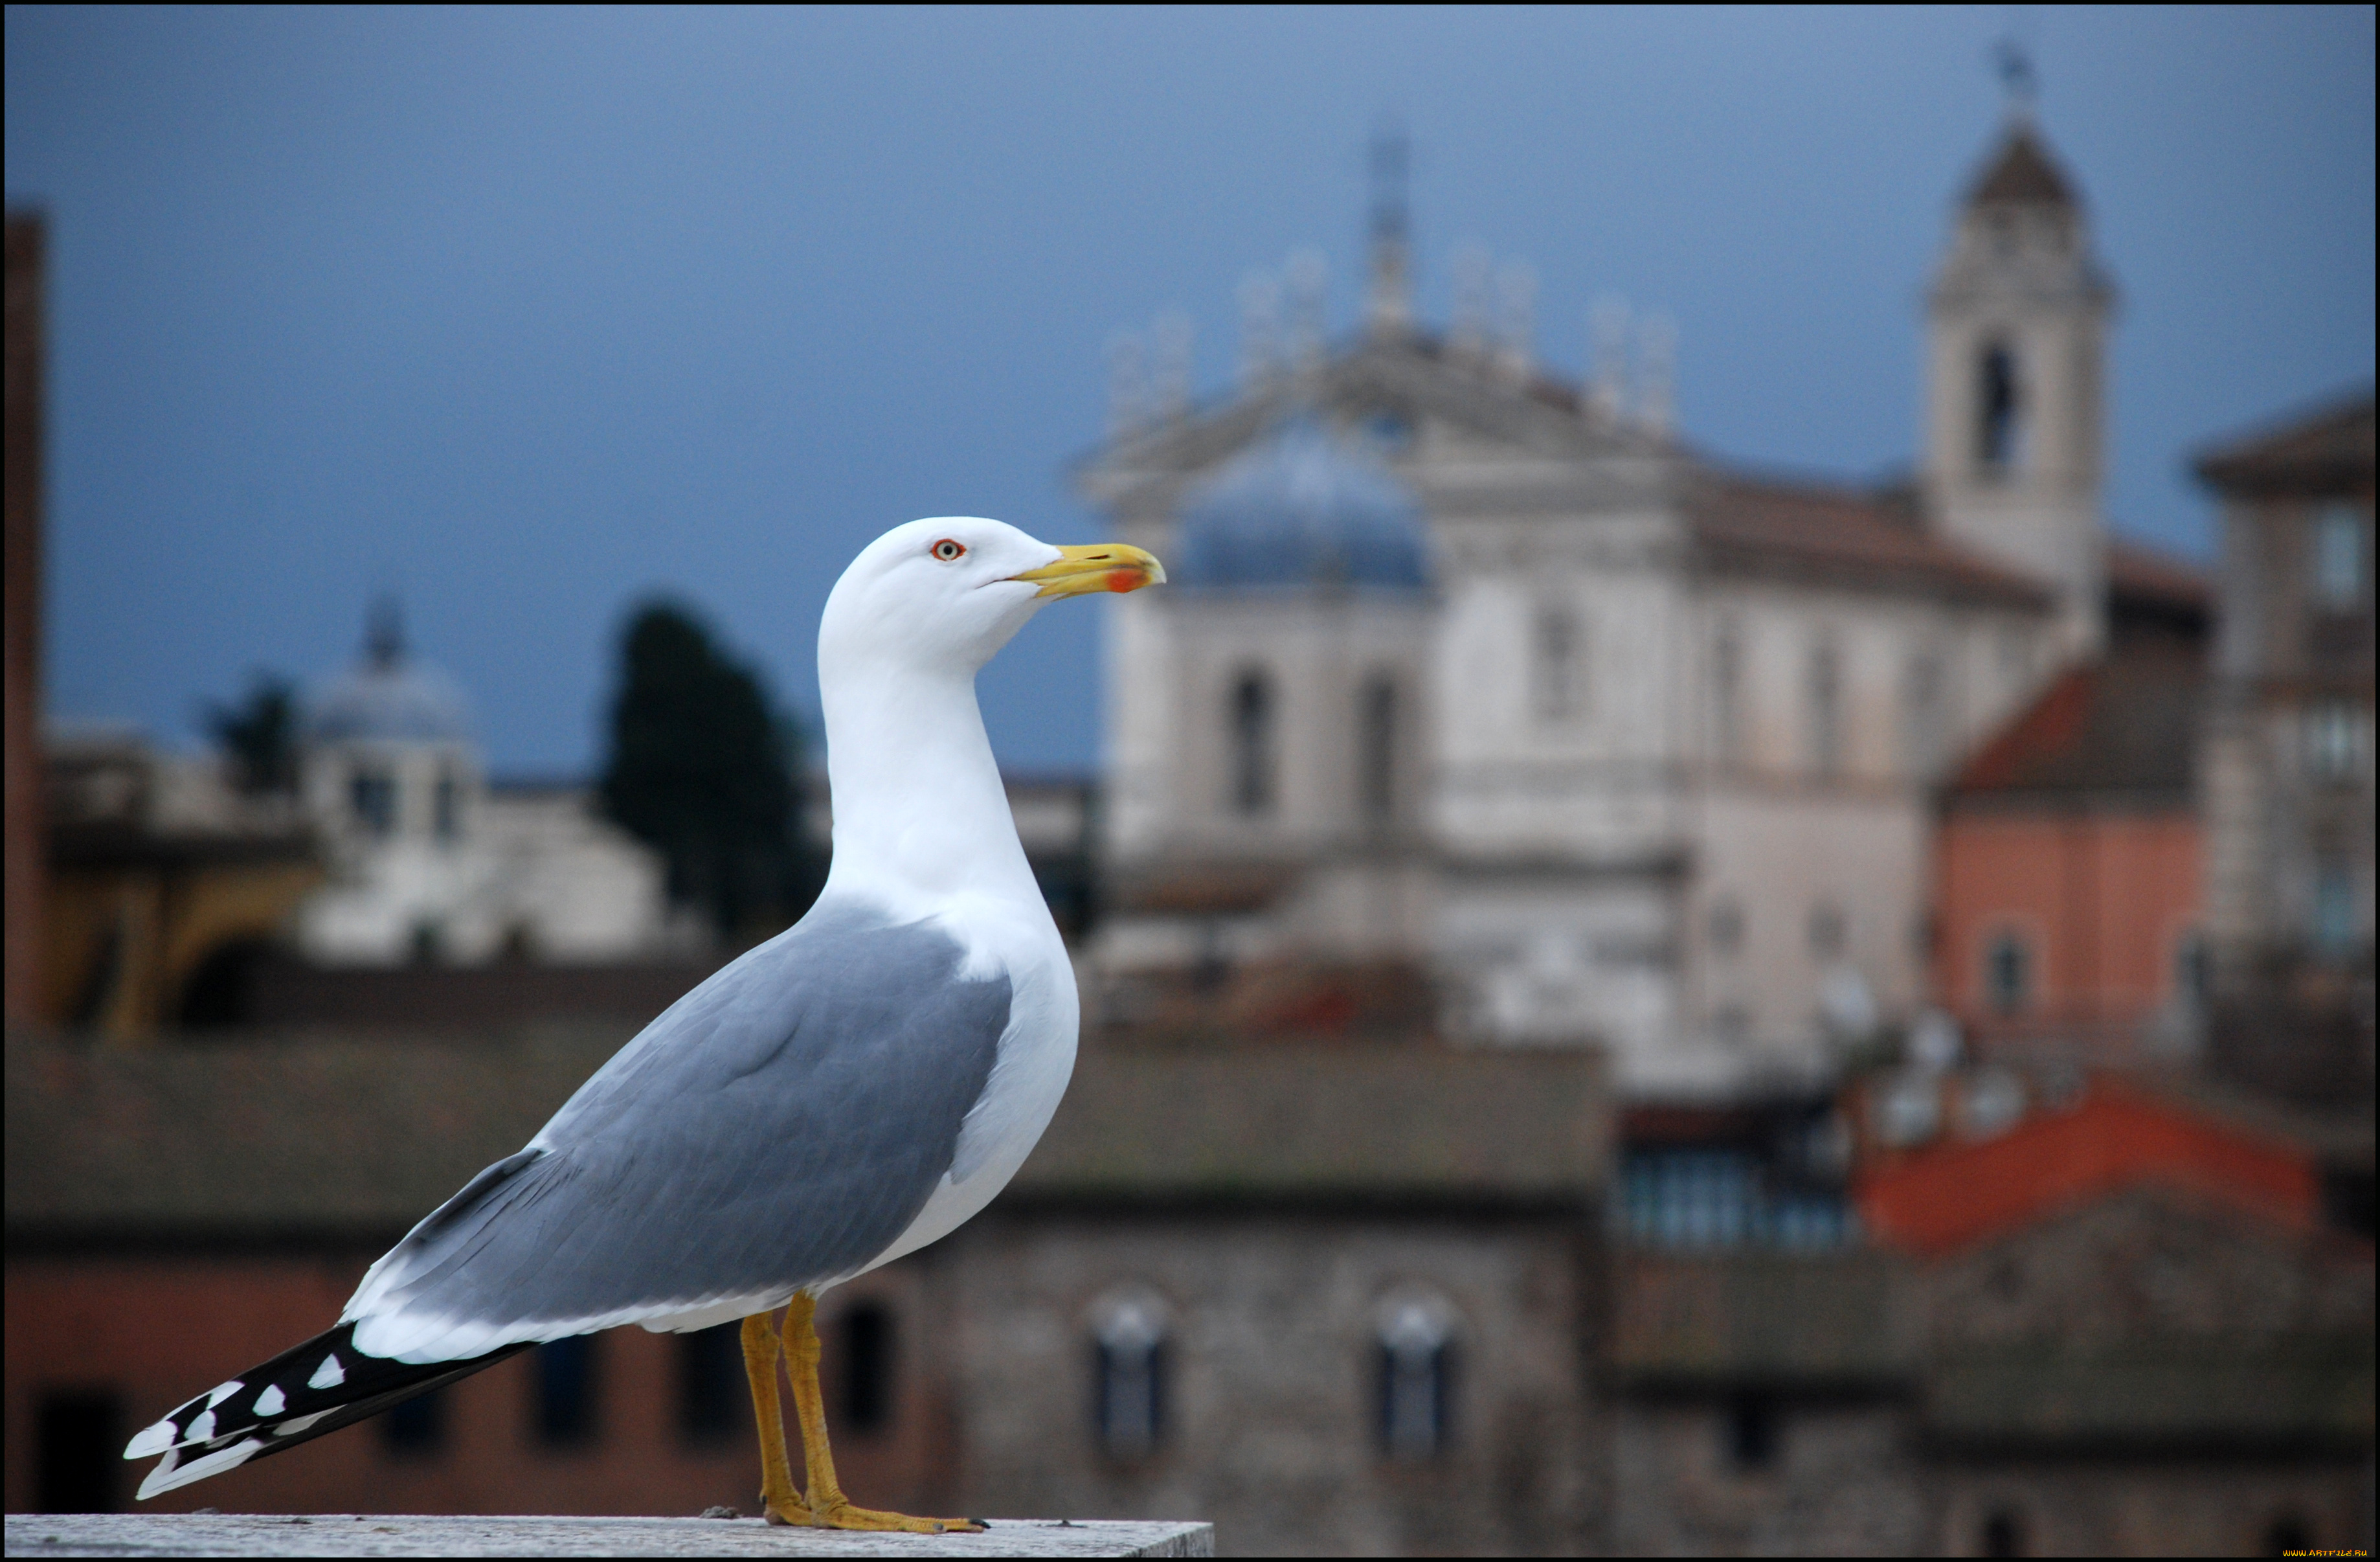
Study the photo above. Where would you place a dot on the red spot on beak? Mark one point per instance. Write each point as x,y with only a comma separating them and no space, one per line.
1126,579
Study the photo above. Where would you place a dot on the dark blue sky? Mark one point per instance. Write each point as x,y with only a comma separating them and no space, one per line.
526,313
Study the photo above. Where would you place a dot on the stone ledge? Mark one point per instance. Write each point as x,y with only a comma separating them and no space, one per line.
347,1534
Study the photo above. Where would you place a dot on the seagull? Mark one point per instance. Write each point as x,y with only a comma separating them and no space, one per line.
847,1092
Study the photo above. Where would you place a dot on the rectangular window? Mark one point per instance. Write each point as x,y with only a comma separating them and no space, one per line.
712,1392
2333,908
867,1364
1924,725
566,1387
1558,681
1727,696
2338,559
2334,741
416,1429
78,1438
1375,758
1252,744
1826,711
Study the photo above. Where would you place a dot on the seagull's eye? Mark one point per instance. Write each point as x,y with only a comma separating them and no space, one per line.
949,550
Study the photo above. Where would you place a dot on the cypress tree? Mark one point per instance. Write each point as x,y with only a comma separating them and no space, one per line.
701,770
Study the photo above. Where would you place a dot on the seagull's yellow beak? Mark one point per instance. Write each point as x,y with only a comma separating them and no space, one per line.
1097,566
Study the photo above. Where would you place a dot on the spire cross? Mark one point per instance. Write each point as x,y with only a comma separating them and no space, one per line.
2014,65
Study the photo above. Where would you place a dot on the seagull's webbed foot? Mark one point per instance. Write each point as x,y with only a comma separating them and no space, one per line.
829,1508
841,1514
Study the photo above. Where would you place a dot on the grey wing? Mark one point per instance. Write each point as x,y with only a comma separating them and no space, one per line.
778,1126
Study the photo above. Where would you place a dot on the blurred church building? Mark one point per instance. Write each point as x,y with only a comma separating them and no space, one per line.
431,863
1472,672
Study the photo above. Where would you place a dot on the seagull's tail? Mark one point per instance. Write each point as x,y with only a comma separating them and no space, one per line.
320,1386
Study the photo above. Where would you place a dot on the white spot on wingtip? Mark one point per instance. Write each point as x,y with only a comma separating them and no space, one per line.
165,1477
154,1438
270,1402
330,1374
223,1391
200,1429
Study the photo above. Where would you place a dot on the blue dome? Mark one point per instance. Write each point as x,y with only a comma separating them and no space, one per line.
389,703
389,699
1302,508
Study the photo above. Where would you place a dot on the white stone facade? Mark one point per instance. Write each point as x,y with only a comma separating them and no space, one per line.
430,863
1661,783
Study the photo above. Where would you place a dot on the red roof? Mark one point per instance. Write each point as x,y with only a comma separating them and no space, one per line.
1767,522
2140,573
2328,447
1957,1194
2125,724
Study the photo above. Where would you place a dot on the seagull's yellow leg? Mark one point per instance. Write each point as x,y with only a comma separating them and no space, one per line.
778,1501
829,1510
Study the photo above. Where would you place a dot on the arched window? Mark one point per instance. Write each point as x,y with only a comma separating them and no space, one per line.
371,795
1997,408
1129,1388
1558,676
1376,742
1252,744
1415,1365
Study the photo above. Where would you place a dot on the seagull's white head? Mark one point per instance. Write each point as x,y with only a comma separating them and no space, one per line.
943,595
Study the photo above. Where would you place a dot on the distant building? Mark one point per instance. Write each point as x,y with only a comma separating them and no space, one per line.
431,864
161,878
2114,1324
2069,910
1341,1300
2288,765
1493,677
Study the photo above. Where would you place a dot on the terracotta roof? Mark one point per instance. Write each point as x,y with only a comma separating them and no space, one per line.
2022,173
1957,1194
2127,724
1876,539
2330,446
2142,574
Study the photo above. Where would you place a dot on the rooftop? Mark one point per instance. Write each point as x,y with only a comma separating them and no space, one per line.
2125,726
2330,446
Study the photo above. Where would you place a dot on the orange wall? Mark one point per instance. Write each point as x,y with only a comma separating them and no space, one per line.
2103,899
158,1330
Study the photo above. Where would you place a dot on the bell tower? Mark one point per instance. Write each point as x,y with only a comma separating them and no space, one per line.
2015,383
